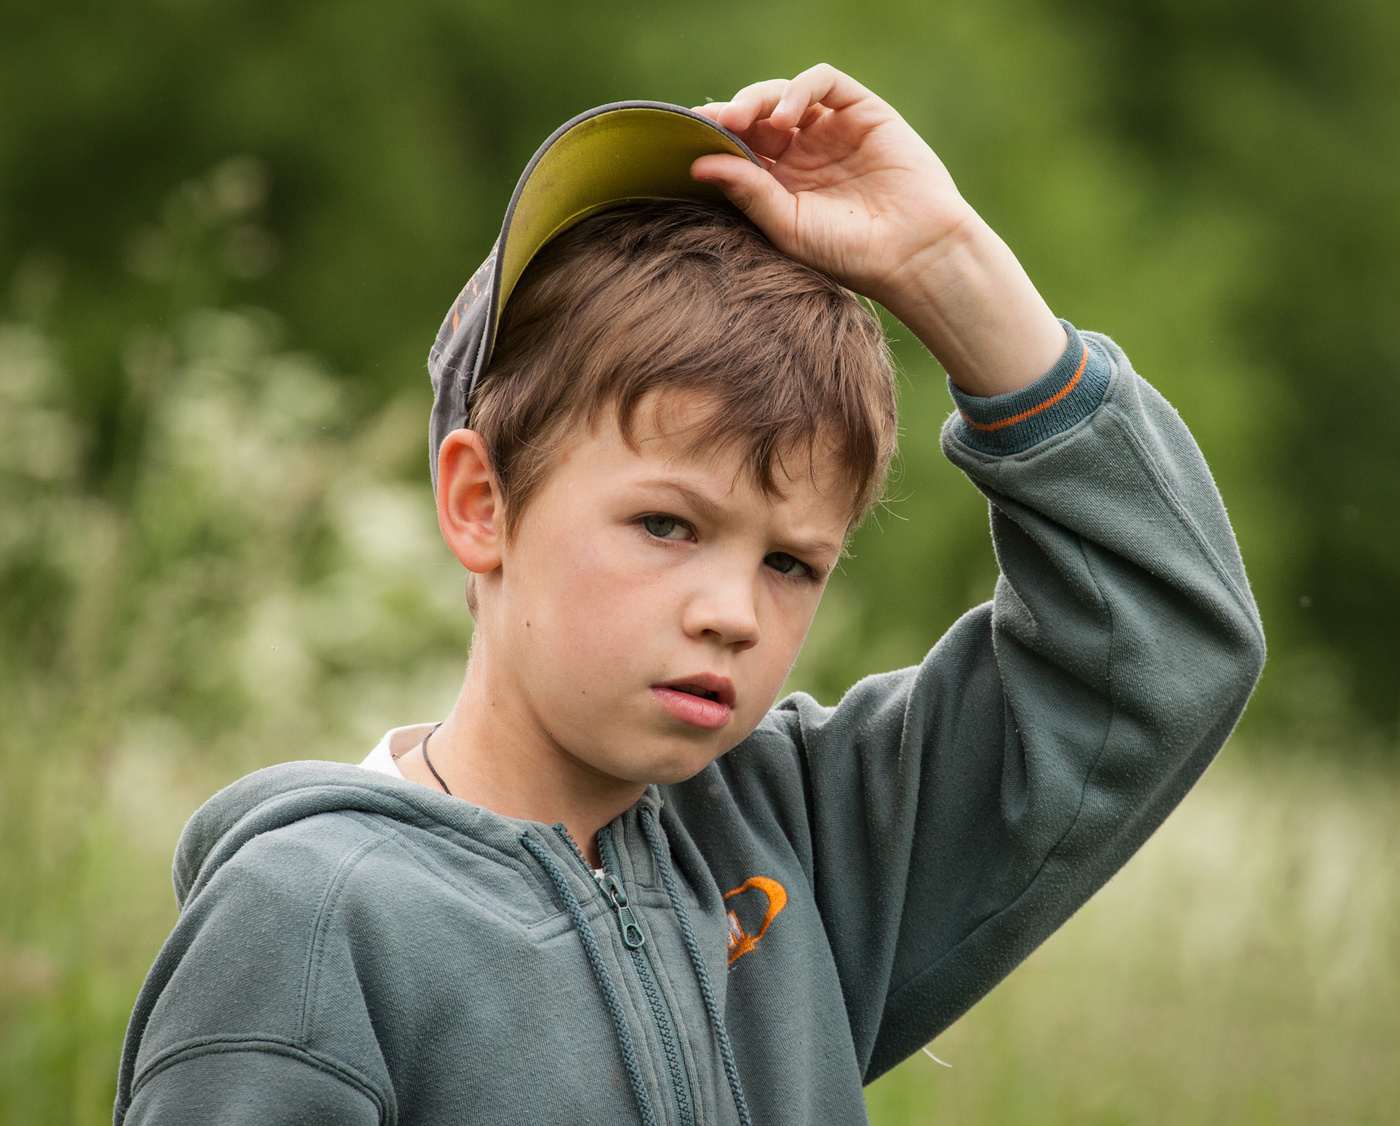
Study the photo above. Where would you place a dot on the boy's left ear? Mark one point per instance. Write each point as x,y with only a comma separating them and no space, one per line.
470,512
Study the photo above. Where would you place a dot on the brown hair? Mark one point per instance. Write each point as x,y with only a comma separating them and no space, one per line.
678,295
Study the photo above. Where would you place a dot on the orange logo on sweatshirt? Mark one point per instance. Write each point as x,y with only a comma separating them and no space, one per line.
740,940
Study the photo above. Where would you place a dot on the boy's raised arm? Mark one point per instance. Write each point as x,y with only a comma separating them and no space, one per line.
959,811
850,188
956,813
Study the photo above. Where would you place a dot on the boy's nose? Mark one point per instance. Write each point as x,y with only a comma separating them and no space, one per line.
726,610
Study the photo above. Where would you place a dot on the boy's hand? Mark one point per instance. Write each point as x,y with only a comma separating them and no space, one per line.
851,189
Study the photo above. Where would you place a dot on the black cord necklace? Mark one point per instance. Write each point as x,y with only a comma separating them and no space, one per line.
424,748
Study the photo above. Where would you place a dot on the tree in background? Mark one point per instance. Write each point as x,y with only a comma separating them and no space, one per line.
1216,183
1288,116
1193,176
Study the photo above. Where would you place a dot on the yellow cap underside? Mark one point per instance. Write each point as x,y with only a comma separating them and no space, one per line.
618,156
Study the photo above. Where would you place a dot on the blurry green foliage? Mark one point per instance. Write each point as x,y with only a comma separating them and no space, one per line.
228,232
1287,116
1215,184
253,582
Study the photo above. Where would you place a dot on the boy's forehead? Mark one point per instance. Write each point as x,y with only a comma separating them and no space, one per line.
682,432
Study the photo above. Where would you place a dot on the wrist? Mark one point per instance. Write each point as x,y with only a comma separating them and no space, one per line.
942,252
971,303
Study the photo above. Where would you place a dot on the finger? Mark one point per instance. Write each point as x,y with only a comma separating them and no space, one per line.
822,84
764,140
765,143
752,103
753,190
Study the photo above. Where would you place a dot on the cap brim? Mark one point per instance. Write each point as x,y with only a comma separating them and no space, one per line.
607,157
604,158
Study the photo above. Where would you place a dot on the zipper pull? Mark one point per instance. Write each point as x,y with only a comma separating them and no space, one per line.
632,936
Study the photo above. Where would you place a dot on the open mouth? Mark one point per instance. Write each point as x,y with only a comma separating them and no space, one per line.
703,700
695,690
705,686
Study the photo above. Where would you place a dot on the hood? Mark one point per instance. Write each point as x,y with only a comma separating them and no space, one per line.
280,795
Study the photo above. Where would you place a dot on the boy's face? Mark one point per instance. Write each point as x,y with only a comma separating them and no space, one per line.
651,603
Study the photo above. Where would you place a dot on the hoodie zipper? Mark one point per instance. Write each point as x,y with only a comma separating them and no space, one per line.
634,939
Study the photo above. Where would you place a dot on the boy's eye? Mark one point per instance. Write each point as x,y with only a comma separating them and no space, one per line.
665,527
788,565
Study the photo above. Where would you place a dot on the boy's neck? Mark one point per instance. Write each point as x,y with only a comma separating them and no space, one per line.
492,752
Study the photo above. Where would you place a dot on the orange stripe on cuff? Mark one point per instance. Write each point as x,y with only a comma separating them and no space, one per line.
1050,402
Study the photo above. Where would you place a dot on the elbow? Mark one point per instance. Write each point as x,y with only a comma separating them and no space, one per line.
1254,649
1244,652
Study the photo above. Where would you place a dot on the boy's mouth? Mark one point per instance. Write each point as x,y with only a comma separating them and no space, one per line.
707,686
703,701
703,693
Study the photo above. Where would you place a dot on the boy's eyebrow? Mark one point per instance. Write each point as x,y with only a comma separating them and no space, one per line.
817,546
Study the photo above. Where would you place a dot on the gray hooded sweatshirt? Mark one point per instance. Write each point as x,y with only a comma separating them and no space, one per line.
783,927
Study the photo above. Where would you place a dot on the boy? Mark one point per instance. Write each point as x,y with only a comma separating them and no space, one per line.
654,429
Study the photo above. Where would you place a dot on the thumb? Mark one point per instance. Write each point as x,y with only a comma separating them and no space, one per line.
754,191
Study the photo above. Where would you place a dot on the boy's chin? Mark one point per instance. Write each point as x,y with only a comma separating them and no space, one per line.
668,770
670,777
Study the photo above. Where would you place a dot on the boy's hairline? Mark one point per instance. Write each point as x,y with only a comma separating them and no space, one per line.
574,426
569,427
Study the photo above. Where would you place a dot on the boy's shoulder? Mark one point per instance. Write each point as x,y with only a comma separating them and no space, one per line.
287,818
301,888
292,838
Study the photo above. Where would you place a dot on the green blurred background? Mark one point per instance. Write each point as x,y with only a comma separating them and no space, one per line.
228,231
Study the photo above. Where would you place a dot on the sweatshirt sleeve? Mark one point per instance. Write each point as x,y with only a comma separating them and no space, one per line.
961,810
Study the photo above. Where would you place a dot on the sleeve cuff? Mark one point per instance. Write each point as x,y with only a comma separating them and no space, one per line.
1063,396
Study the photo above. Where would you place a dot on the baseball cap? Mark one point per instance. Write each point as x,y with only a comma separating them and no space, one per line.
609,156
